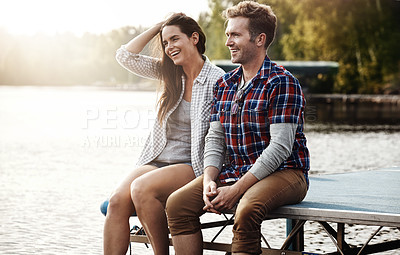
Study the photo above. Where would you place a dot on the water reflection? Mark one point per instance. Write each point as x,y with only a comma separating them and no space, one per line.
354,109
53,183
329,128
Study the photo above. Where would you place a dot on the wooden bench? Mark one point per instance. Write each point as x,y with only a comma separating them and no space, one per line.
359,198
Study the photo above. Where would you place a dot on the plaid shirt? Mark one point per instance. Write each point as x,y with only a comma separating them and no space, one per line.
273,96
202,94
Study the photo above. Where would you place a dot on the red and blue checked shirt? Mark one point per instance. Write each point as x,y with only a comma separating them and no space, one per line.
274,95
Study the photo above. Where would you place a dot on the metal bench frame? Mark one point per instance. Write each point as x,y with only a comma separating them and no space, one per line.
294,243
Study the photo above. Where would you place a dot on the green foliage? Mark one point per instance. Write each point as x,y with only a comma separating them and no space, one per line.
214,27
361,35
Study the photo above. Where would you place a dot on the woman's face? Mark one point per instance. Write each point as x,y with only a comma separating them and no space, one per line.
178,46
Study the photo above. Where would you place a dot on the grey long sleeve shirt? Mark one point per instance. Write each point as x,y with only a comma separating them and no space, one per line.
279,149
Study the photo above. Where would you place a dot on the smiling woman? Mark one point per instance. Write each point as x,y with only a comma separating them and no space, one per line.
51,17
172,155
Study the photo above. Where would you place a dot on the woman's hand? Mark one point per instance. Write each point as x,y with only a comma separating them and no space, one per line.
137,44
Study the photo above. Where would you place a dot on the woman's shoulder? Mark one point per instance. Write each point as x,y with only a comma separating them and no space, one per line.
210,73
213,69
218,70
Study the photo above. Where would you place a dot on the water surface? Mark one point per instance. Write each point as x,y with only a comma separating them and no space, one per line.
63,150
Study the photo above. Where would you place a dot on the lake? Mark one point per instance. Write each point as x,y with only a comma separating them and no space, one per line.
63,150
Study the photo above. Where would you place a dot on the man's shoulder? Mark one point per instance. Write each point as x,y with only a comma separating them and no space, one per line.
278,74
228,78
280,70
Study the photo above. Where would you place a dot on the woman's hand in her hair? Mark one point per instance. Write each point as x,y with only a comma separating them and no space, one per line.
137,44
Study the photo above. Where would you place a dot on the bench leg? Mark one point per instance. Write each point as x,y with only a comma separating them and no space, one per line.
340,237
294,235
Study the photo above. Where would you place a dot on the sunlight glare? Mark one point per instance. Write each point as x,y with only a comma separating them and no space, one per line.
57,16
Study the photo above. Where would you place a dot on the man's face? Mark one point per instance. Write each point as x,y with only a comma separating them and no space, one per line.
238,41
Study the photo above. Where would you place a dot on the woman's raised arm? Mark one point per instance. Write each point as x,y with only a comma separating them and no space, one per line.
137,44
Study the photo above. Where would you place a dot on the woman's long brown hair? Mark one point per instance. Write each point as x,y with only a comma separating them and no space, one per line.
171,74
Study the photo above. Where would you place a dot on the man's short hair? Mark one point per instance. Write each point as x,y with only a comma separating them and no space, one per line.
261,19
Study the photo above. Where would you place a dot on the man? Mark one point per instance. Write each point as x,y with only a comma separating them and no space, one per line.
255,152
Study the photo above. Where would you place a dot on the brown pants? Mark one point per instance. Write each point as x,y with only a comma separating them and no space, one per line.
185,206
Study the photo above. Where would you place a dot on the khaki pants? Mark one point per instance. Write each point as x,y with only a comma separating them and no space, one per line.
185,206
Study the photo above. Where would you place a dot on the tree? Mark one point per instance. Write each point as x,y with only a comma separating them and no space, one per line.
362,35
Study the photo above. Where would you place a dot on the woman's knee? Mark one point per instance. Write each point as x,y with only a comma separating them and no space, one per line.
119,203
140,192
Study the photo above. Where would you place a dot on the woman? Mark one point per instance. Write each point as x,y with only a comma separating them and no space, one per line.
173,153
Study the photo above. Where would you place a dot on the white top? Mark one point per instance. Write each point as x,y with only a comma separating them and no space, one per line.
177,149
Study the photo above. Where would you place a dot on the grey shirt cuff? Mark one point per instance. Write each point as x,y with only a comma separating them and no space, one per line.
215,147
278,150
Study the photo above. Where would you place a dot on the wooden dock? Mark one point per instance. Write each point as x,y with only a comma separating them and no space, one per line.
360,198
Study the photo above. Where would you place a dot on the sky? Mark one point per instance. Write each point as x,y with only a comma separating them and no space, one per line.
94,16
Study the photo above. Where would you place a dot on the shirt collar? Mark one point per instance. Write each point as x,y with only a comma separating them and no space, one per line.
263,72
201,78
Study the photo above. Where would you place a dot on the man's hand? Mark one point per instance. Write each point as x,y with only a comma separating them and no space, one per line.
210,188
209,193
226,198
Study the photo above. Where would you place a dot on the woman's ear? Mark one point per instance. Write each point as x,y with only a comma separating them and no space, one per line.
195,37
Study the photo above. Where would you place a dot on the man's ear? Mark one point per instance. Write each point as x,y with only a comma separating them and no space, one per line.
261,39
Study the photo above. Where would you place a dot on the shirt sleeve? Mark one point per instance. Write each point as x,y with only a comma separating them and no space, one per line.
286,101
279,149
214,151
141,65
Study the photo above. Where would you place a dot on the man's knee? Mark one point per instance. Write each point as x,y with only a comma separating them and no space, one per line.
184,208
173,205
247,227
186,201
181,219
250,215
